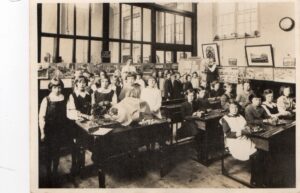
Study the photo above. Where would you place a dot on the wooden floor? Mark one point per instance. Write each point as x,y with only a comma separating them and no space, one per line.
143,172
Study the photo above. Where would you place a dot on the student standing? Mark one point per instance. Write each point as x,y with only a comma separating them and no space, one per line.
195,80
243,97
52,123
227,97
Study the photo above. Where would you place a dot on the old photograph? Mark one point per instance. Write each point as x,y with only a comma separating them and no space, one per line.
163,94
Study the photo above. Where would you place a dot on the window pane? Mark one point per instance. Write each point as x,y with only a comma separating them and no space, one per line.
96,48
114,52
180,55
81,51
125,51
147,25
160,27
179,29
160,57
47,49
96,23
65,49
49,17
169,57
170,28
146,53
185,6
114,18
188,54
137,25
188,31
67,19
136,53
126,21
82,18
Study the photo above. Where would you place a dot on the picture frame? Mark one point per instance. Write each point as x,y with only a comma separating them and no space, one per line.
211,51
259,55
289,62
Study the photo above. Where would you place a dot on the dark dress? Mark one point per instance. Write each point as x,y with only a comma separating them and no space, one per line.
214,93
99,96
272,110
55,133
202,104
211,75
187,86
173,90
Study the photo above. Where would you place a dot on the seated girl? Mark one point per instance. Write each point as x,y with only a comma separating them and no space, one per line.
255,113
269,106
131,108
202,99
216,92
234,127
152,95
227,97
285,103
104,96
243,97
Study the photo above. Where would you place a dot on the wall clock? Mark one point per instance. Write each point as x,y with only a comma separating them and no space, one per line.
286,24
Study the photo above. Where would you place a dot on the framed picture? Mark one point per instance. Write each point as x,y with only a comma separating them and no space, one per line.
259,55
289,62
211,51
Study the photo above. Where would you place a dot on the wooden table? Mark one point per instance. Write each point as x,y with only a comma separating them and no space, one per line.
123,140
210,134
277,146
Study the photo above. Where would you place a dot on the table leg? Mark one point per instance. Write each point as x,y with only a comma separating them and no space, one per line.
162,159
101,176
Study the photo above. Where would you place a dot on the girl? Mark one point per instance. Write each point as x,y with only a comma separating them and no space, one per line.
227,97
161,81
52,120
104,96
269,106
215,92
195,80
139,80
243,97
202,99
78,108
187,84
285,103
152,95
234,127
115,85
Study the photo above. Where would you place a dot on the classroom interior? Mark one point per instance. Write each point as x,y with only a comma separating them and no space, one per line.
246,42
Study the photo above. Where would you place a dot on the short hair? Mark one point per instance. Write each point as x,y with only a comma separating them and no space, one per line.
190,90
151,77
266,92
135,91
282,89
55,82
232,102
80,79
105,73
228,85
195,73
186,77
130,74
213,83
245,81
98,82
254,95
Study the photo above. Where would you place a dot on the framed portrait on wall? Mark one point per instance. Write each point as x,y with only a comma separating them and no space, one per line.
211,51
259,55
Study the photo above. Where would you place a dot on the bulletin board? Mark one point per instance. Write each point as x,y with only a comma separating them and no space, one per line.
229,74
258,73
189,65
287,75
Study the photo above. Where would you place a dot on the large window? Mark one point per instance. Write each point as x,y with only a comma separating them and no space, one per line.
236,19
84,31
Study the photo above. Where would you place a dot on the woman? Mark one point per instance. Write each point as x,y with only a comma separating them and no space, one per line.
131,108
52,121
234,128
152,95
269,106
285,103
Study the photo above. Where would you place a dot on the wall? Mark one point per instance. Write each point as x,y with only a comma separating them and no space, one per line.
269,15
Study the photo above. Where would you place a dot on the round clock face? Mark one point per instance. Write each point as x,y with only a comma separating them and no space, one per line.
286,24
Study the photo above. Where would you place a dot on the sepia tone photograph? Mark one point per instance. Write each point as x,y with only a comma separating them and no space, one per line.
163,94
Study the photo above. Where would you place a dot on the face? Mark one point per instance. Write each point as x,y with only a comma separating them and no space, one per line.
201,94
188,78
102,74
256,101
233,109
154,74
286,92
129,61
168,76
246,86
81,85
269,97
194,75
56,90
138,77
228,89
113,80
173,77
104,83
130,80
178,76
190,97
217,86
160,73
151,82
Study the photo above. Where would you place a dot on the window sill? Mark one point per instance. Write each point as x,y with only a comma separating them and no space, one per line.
235,38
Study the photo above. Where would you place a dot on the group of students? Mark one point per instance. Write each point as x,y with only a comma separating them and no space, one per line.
125,97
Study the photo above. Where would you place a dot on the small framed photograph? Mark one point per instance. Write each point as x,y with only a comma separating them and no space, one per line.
259,55
211,51
289,62
232,61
